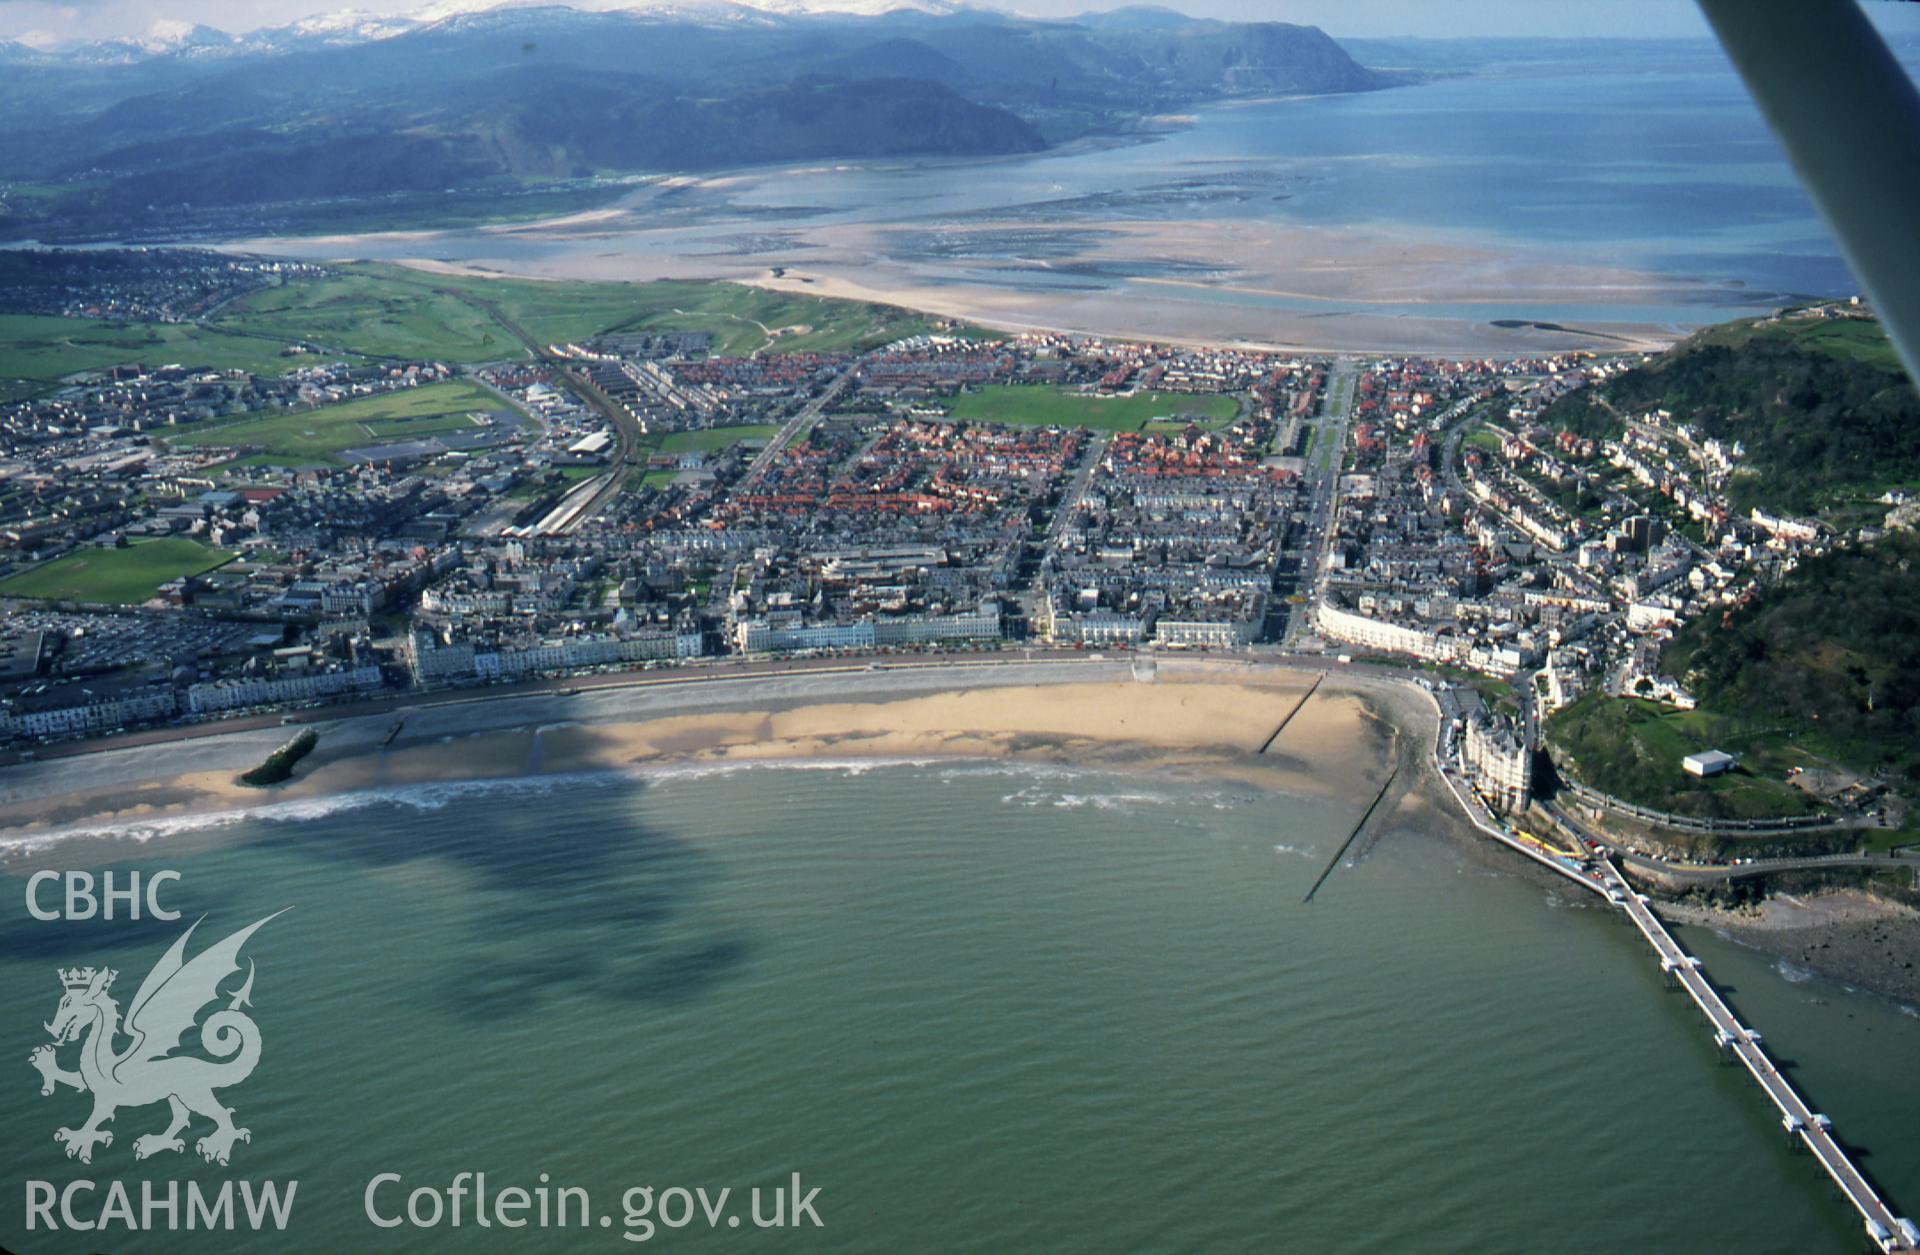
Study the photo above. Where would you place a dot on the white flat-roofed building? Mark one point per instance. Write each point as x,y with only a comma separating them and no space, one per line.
1708,763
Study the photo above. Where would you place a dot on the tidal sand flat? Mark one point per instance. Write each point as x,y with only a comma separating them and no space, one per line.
1620,200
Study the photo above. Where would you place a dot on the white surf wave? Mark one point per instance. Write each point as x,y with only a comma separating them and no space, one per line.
431,796
420,797
1042,788
1791,974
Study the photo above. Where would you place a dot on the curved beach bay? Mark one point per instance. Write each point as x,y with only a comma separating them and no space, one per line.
1019,966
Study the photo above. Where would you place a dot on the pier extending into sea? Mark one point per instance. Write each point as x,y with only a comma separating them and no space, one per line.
1815,1131
1885,1230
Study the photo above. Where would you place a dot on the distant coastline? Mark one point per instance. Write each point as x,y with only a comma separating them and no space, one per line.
1200,227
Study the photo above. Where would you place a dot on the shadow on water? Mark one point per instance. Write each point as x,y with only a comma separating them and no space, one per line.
566,900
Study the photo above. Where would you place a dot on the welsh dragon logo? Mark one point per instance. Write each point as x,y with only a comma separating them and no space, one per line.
148,1071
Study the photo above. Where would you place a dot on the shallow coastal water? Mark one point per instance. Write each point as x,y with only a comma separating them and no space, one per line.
981,1006
1634,191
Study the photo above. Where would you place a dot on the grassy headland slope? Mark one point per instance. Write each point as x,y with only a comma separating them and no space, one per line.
1833,649
1820,672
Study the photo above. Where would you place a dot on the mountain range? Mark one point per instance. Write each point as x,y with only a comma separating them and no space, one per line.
194,125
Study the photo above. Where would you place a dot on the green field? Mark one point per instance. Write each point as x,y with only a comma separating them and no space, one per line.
364,311
1031,405
707,439
1483,440
1855,339
314,437
117,576
398,312
1632,749
36,351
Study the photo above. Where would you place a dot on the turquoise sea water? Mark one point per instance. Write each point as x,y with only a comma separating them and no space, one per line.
980,1007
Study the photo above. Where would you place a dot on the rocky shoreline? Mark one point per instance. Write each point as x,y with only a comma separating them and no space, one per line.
1843,935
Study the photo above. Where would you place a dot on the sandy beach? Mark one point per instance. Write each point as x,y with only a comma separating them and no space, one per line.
1195,718
1199,718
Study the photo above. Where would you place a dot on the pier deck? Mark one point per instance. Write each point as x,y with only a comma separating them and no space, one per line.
1887,1231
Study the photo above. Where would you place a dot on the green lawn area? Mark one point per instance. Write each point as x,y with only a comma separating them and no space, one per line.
1854,339
1632,749
35,351
118,576
364,311
239,469
398,312
707,439
745,319
1483,440
313,437
1878,839
1032,405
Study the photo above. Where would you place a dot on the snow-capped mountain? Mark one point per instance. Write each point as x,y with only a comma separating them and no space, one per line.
169,36
165,38
442,10
343,27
